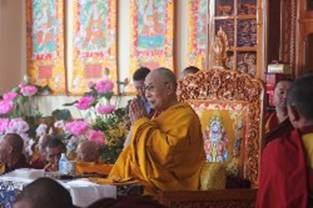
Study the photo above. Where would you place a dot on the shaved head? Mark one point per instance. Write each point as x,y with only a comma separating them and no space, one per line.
15,141
160,89
11,148
87,151
165,75
44,192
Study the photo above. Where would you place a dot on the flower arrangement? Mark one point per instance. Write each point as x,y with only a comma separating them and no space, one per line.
19,114
107,124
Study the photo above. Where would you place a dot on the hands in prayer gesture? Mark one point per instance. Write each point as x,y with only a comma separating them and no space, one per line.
137,110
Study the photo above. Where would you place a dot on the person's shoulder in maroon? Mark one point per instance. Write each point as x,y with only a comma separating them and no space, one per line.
11,153
285,172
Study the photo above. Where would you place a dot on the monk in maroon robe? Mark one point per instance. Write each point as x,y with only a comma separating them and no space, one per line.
286,178
11,153
273,119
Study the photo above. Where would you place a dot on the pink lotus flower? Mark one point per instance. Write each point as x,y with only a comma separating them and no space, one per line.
9,96
84,102
28,90
4,123
105,109
76,128
6,106
96,136
21,85
18,125
104,86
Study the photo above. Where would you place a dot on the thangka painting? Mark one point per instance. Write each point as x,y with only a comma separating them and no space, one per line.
45,44
151,34
197,33
223,128
94,43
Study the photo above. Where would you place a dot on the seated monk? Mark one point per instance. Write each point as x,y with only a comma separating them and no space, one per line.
11,153
165,152
273,119
88,159
38,160
286,174
54,149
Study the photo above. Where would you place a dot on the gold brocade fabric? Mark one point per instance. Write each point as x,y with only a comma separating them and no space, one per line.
2,169
213,176
92,167
308,147
166,153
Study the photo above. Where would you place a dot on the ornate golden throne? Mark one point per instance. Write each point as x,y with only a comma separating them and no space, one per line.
230,107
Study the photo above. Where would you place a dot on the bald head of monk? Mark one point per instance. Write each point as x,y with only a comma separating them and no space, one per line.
160,89
11,149
87,151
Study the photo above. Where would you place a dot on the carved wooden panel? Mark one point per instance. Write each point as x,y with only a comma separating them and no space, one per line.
288,33
235,198
229,86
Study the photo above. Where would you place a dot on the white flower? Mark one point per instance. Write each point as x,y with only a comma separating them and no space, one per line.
59,124
41,130
18,126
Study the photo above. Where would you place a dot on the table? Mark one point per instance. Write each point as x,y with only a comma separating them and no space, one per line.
83,192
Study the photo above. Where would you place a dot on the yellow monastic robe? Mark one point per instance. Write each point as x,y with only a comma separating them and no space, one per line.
166,153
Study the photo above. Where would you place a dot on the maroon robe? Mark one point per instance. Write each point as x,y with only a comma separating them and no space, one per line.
21,163
284,175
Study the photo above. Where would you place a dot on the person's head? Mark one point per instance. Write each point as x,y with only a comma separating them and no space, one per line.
87,151
139,79
190,70
280,93
300,102
160,88
11,148
44,192
54,149
42,144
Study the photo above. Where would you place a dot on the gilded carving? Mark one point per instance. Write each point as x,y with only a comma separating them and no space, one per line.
219,49
228,85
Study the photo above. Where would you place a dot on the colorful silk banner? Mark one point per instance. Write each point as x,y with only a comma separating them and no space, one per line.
45,44
198,33
94,43
151,34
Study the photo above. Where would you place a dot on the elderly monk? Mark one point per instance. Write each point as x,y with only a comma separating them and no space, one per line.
166,152
280,102
88,159
286,177
11,153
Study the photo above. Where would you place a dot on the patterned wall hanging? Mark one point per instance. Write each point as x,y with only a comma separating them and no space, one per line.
45,44
151,34
197,33
94,43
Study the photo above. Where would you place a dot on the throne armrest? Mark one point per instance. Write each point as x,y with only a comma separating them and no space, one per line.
239,198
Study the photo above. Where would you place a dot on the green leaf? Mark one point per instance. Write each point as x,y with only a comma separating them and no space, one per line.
70,104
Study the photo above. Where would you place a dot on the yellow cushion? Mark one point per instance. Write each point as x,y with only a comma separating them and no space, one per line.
213,176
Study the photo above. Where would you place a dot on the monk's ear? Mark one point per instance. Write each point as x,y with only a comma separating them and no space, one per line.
170,87
293,113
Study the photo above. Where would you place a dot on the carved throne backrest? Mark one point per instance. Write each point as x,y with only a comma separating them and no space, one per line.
230,105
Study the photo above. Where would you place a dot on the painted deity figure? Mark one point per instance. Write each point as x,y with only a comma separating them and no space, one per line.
216,141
